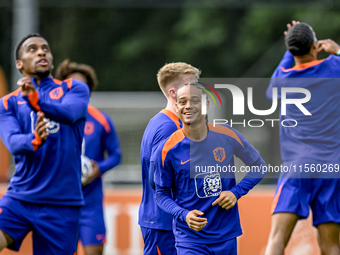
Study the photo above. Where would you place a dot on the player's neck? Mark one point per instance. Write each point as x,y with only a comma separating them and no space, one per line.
196,132
299,60
170,106
37,77
38,80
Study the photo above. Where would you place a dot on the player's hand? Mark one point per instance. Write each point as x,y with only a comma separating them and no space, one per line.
290,25
27,86
329,46
226,200
94,174
41,126
194,222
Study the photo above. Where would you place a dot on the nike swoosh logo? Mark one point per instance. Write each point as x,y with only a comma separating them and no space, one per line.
100,236
182,163
21,102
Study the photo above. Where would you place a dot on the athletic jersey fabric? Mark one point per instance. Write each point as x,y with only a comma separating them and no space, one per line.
100,136
46,172
313,143
316,136
160,127
182,168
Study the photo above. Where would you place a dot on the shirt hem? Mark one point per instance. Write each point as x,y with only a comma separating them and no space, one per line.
46,202
206,240
154,227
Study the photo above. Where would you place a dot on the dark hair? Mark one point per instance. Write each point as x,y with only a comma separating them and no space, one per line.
195,84
66,68
299,39
17,49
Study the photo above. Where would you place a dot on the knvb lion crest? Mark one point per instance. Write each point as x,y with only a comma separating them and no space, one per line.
89,127
56,93
212,185
219,154
208,184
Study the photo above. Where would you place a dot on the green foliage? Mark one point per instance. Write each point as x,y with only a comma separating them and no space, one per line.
127,46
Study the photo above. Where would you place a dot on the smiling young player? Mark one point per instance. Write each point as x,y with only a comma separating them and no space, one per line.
44,195
203,203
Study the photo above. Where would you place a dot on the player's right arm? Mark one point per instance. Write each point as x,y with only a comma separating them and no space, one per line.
70,109
164,182
166,130
288,59
167,204
12,136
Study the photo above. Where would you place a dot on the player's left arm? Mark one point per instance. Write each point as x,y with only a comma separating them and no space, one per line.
70,109
286,62
226,200
111,143
252,158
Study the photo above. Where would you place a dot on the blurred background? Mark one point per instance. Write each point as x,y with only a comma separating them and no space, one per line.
128,41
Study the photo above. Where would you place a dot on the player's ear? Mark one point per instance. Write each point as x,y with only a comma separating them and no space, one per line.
18,64
172,93
315,45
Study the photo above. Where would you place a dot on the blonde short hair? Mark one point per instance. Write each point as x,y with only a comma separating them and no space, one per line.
171,72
